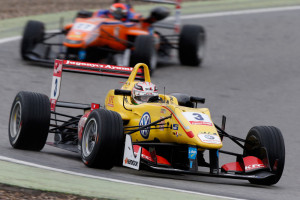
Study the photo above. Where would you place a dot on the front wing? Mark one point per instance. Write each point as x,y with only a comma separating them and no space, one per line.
137,157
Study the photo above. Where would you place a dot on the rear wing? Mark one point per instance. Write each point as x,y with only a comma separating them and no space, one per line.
86,68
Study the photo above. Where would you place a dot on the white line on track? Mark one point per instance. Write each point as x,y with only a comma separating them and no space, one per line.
10,39
241,12
3,158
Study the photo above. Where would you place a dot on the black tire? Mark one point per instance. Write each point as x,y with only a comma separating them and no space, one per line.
183,99
102,139
144,52
268,137
192,41
29,121
33,34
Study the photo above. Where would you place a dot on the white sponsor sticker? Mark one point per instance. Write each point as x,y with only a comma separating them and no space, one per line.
98,66
83,26
198,118
130,159
55,87
254,166
210,139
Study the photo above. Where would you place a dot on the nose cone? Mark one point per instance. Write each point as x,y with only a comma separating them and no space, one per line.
199,128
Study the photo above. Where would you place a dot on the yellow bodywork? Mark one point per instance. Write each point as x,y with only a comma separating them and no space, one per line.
177,129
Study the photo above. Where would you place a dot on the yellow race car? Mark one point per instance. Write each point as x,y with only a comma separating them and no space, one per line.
168,133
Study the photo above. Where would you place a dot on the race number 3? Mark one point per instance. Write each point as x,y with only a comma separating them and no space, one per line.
198,118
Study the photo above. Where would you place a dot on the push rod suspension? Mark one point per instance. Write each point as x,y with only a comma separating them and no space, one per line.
234,139
64,115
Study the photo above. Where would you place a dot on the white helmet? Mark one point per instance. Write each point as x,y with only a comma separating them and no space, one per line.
142,91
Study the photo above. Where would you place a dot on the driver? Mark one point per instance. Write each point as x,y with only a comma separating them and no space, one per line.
119,11
142,91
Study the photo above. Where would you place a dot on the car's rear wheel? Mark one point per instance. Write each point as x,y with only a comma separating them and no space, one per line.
192,41
33,34
29,121
103,139
144,52
271,139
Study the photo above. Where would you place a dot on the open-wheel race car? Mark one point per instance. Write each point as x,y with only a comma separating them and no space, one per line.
168,133
105,37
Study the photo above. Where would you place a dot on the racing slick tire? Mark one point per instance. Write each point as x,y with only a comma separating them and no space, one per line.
33,34
102,139
191,45
271,139
144,52
29,121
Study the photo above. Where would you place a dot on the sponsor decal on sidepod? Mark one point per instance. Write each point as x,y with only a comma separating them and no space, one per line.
145,120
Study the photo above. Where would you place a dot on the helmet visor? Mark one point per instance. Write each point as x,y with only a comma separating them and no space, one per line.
119,13
143,98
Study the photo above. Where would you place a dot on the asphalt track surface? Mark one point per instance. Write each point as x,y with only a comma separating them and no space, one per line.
251,74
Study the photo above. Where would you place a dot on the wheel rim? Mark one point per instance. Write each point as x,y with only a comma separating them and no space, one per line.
15,121
252,146
89,137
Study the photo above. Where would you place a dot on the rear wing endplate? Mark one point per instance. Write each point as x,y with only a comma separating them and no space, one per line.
86,68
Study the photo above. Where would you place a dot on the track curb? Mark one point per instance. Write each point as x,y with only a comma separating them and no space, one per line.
33,176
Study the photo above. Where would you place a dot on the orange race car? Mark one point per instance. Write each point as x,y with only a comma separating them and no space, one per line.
117,36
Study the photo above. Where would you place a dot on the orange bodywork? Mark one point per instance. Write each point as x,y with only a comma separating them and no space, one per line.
103,32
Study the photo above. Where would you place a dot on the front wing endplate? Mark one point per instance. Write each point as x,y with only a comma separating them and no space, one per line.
130,159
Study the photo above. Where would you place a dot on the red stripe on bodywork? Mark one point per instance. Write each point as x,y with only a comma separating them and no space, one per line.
251,164
162,160
147,156
190,133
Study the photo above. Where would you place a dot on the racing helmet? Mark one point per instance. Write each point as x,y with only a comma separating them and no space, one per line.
142,91
119,11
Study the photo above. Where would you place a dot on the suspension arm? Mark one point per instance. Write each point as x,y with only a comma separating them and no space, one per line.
148,125
234,139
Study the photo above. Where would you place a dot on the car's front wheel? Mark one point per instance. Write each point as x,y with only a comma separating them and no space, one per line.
33,34
102,141
269,138
192,40
144,52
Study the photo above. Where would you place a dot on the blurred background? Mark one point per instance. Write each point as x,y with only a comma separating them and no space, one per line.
18,8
